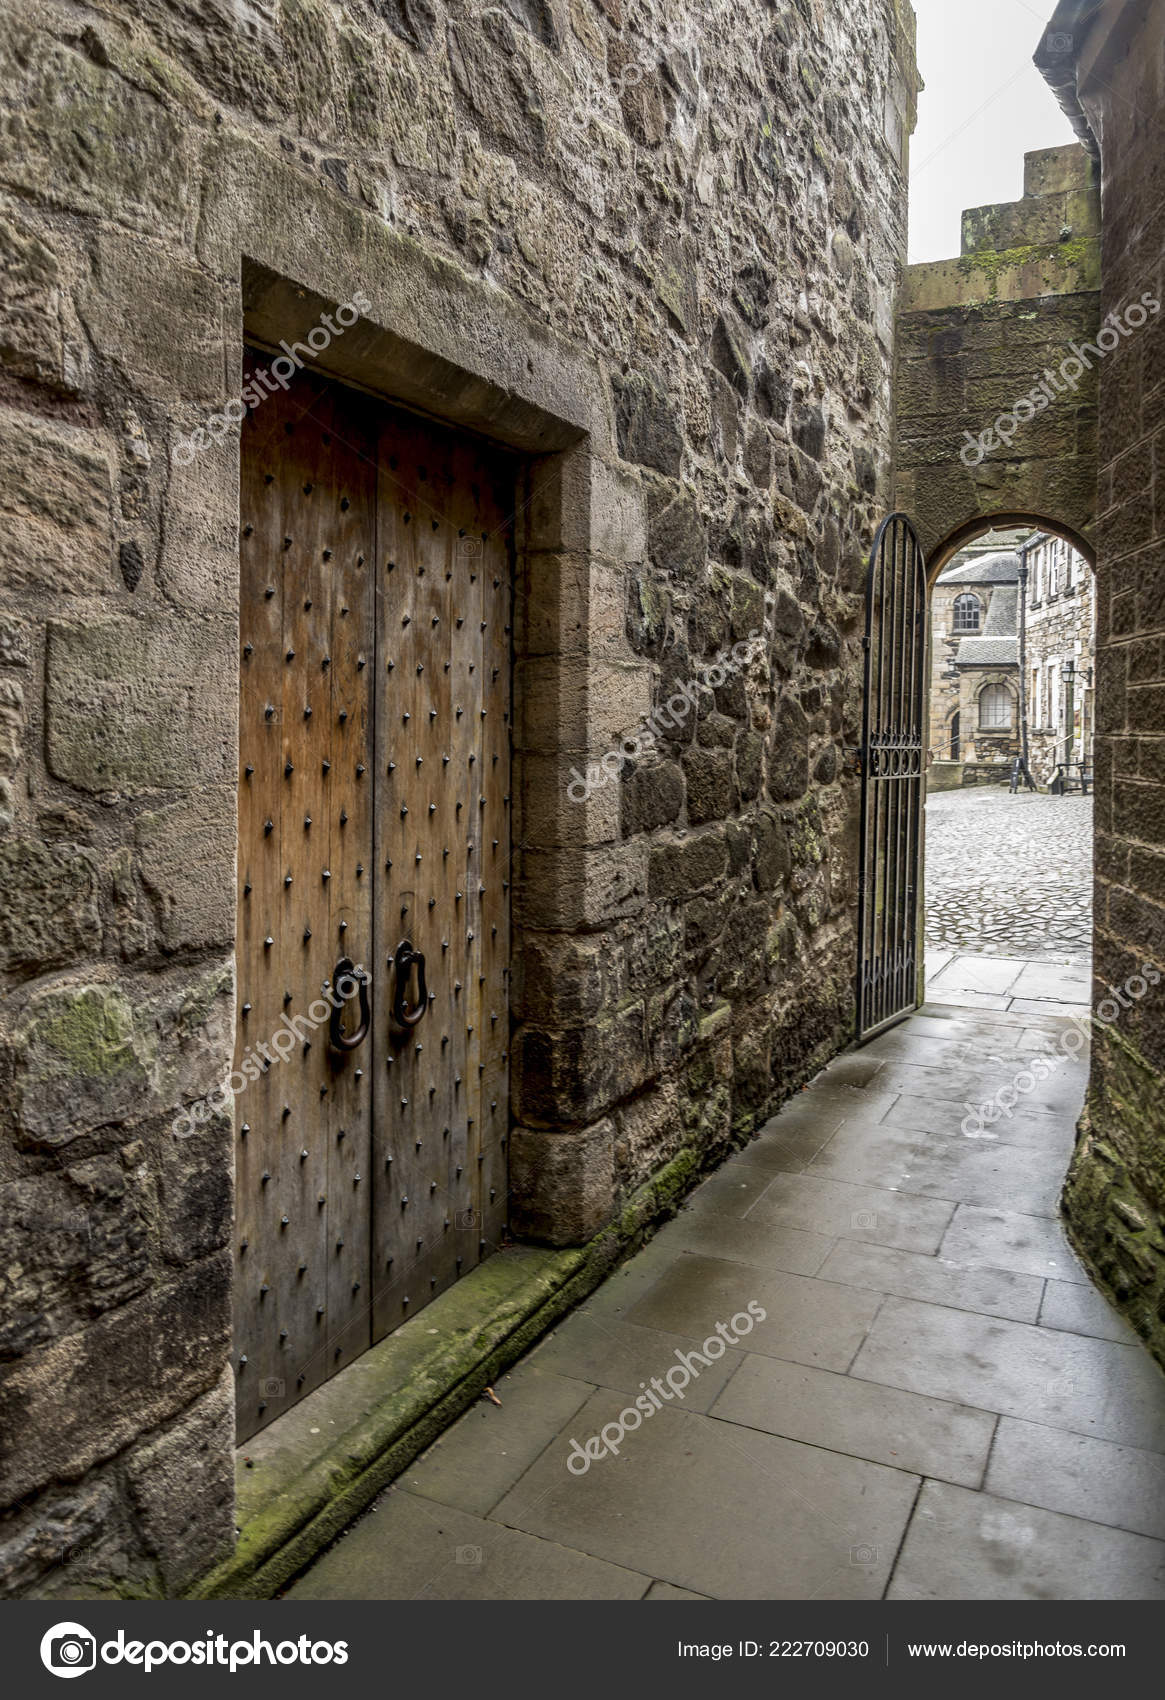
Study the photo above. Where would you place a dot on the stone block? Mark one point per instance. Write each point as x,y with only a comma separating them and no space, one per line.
15,642
652,795
50,913
73,1245
574,704
683,866
56,502
182,1487
498,81
186,854
649,1133
1050,171
565,1078
135,705
167,343
561,979
57,1530
194,1188
198,565
647,423
618,514
677,538
581,888
712,790
32,340
11,724
87,1396
68,143
99,1055
572,606
564,803
789,768
561,1184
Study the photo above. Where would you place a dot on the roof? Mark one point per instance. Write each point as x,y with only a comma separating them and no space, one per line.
988,652
1002,613
1000,568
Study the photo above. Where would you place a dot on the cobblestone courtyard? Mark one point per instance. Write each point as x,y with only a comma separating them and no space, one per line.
1008,875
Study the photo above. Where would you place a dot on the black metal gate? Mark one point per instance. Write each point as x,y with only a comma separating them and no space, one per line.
893,778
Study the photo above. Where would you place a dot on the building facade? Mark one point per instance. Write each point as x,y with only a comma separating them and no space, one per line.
1036,594
1060,657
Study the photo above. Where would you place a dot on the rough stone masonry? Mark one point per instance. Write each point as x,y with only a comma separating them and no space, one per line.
1105,64
651,244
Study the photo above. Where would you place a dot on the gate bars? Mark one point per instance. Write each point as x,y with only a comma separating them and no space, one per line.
893,778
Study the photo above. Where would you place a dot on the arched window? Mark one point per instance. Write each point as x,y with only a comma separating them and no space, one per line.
994,708
967,612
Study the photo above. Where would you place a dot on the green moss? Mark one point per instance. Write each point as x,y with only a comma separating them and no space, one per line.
94,1033
1112,1197
1081,253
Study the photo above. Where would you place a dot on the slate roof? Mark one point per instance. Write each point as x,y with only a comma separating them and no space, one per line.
1002,568
988,652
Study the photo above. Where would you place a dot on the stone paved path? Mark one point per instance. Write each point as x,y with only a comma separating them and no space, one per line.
1009,874
935,1405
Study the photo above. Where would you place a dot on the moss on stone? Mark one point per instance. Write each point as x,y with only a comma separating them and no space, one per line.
1111,1199
94,1033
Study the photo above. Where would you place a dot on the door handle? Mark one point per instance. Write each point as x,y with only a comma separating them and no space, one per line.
337,1038
405,960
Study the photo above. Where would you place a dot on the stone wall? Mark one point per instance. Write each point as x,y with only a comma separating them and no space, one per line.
980,333
1109,79
652,246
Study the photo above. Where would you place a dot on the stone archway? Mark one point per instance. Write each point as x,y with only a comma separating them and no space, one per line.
942,552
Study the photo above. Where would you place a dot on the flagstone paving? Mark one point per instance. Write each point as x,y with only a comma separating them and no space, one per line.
935,1404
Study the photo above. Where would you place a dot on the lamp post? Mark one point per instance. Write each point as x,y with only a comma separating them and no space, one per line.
1069,672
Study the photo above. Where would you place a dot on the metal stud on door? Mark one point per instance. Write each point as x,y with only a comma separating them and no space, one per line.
443,833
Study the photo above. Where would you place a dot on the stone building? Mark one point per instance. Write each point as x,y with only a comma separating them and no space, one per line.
539,341
1041,587
974,707
1060,641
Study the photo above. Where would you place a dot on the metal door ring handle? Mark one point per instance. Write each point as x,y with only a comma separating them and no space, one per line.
405,960
337,1038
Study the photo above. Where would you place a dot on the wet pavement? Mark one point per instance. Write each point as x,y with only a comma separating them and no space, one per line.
862,1362
1009,875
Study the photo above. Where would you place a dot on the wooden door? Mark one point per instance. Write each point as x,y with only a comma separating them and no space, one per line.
373,811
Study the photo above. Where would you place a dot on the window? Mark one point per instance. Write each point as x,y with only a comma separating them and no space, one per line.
1037,706
994,708
967,611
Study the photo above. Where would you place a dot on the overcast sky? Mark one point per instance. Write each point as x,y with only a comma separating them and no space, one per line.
984,106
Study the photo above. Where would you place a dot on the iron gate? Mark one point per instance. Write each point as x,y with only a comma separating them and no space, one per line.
893,778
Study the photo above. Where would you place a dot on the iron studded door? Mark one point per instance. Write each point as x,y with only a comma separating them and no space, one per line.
893,778
374,638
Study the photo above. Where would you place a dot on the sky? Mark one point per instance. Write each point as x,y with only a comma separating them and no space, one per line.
984,106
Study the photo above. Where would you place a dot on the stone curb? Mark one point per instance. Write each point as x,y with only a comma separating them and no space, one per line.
441,1378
